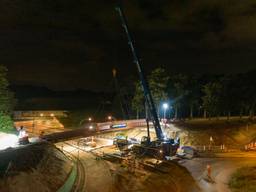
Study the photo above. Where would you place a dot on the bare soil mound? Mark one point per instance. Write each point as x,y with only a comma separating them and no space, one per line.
165,177
38,167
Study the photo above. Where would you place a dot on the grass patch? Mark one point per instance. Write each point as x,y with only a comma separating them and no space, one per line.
243,180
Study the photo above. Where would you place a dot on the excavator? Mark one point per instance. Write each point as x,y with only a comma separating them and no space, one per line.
162,147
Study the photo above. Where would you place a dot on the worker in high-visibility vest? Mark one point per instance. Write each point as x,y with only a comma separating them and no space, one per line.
209,171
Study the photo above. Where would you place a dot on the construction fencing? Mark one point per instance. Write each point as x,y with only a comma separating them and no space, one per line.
218,148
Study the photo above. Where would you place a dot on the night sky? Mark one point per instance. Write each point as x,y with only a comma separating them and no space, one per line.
65,45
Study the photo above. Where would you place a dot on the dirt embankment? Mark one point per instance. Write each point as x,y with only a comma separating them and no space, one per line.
232,132
235,132
39,167
165,177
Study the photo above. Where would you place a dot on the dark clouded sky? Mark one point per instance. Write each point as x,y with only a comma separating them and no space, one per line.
65,44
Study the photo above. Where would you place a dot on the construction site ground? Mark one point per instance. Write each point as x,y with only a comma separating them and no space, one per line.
104,172
107,170
232,134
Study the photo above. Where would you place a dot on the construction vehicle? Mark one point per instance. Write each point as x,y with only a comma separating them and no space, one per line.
162,147
121,142
87,142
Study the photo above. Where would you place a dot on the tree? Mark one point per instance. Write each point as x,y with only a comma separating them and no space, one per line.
212,98
192,96
6,102
216,94
138,98
230,95
248,92
6,123
158,80
177,91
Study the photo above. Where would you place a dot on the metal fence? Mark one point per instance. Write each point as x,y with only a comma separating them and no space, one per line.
218,148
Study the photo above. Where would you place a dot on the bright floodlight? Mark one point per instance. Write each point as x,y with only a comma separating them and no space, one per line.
91,127
109,117
89,119
52,115
8,140
165,106
41,115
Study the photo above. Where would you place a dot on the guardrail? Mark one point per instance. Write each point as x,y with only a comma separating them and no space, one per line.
250,146
217,148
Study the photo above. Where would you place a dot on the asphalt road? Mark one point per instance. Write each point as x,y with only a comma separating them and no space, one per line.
222,169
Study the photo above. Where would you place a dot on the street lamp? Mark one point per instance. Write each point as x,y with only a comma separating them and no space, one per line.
165,106
89,119
109,117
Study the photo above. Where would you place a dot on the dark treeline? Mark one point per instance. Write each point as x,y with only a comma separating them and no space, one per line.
200,95
188,96
7,102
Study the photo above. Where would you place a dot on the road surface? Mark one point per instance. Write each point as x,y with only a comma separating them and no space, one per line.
222,169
